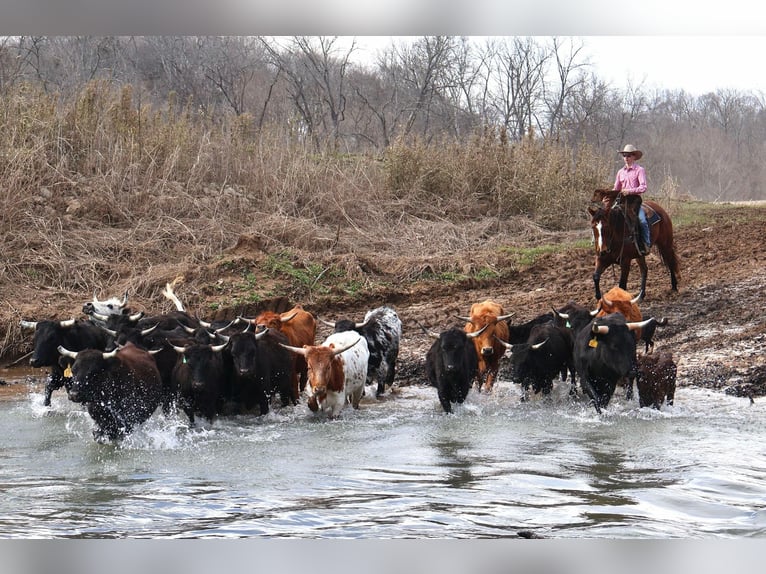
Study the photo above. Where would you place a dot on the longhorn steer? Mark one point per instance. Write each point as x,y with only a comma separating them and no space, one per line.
202,377
382,329
72,334
546,354
488,318
300,328
121,389
337,370
261,367
604,353
452,365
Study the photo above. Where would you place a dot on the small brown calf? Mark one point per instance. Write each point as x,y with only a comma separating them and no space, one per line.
656,379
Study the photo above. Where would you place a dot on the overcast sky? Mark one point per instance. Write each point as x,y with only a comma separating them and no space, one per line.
697,46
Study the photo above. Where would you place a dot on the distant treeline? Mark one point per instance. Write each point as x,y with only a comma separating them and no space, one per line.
314,92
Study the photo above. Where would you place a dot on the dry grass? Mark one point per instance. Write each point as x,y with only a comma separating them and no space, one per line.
100,195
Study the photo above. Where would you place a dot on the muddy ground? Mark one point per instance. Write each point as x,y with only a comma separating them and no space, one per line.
717,325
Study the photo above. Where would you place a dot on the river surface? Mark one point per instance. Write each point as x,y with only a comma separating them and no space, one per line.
396,468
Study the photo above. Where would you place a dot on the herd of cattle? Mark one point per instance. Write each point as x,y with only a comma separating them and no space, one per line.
123,366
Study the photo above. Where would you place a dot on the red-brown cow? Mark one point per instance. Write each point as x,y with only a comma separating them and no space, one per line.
618,300
489,350
300,328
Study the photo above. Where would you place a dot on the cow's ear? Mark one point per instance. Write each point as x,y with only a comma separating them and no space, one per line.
65,362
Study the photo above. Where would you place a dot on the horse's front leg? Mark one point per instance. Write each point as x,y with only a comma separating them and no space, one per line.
597,277
644,272
624,272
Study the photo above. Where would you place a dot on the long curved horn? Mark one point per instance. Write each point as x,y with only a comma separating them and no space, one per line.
560,314
180,350
466,319
637,298
476,333
66,352
110,332
340,350
206,324
110,354
597,310
231,324
600,329
362,324
145,332
286,319
606,301
505,344
218,348
299,350
639,324
99,316
538,345
28,324
327,323
67,323
505,317
135,316
124,299
95,300
261,334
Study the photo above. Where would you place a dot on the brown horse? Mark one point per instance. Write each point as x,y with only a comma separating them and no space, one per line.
615,241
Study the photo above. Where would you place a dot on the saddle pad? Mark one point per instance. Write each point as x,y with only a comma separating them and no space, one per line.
652,216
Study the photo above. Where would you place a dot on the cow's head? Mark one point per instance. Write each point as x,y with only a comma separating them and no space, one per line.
325,369
487,317
113,306
48,336
88,369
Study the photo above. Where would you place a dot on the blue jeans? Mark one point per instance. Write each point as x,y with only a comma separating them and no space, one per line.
644,226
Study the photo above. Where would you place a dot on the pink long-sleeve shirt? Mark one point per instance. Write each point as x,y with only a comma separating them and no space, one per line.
631,180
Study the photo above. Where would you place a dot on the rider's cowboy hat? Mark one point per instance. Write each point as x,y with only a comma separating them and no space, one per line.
632,149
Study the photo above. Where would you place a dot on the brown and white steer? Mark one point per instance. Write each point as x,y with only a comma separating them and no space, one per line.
337,371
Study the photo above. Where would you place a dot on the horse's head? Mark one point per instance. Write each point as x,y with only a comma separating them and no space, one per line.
607,223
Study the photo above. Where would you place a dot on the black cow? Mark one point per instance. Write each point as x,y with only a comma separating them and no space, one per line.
518,334
261,368
604,353
74,335
546,354
202,375
382,329
656,379
121,389
451,365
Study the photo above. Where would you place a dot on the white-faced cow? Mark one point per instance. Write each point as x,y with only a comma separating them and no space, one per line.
452,364
489,350
605,353
121,389
97,310
382,329
337,371
656,379
72,334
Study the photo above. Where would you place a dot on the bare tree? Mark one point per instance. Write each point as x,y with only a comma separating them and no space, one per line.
315,68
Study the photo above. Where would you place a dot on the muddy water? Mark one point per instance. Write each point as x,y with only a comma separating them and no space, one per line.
397,467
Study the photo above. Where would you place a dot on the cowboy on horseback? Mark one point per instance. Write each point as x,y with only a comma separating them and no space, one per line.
631,183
